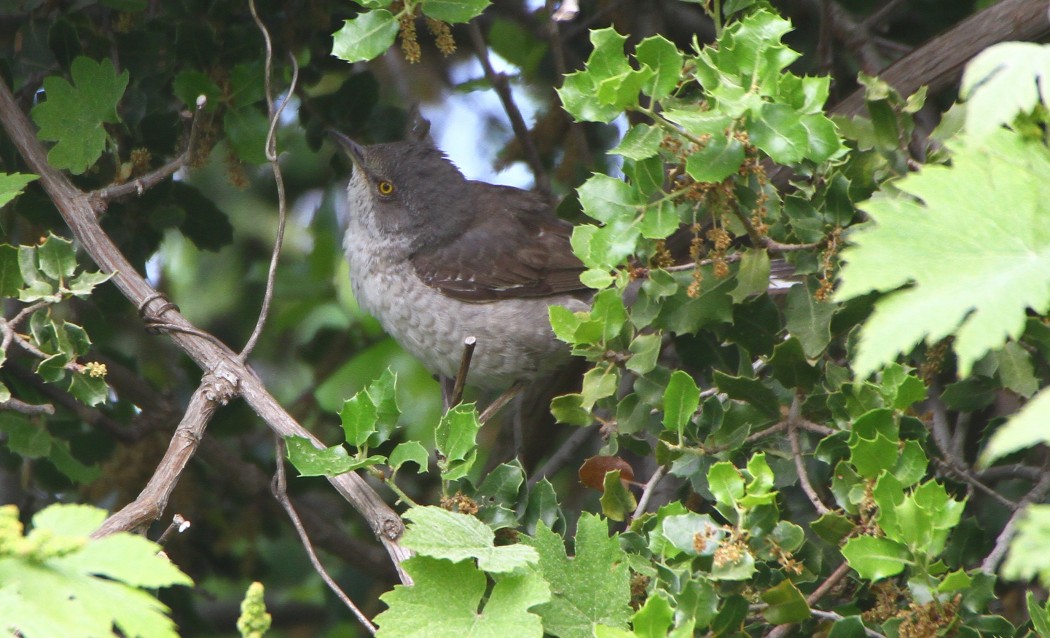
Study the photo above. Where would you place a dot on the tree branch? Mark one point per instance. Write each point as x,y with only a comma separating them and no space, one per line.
76,209
939,62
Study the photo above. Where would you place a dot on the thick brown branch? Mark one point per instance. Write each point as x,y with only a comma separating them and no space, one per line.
939,62
76,209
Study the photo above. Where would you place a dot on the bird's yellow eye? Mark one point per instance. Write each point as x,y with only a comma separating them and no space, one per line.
385,187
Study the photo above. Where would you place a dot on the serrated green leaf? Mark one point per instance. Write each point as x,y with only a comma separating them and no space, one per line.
73,114
663,58
331,461
439,533
1024,429
1039,614
606,66
28,440
726,483
971,275
456,432
645,350
365,37
876,558
88,389
84,283
654,618
409,451
786,604
590,588
640,142
606,198
720,157
358,418
751,391
660,220
1016,370
445,601
11,185
56,257
1004,81
693,534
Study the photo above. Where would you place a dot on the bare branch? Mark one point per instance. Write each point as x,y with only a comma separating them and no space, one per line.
800,463
280,492
140,185
517,122
464,368
564,453
647,492
939,62
76,209
1002,543
28,409
278,178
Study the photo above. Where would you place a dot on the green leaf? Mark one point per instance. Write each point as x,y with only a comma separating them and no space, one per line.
365,37
445,601
680,401
750,391
73,114
599,382
970,274
57,258
590,588
26,439
358,418
607,84
641,141
654,618
439,533
809,320
753,276
692,534
876,558
1028,558
84,283
1004,81
645,350
454,11
618,503
87,389
189,85
409,451
457,432
720,157
11,185
790,367
1039,614
95,583
11,280
605,198
726,483
659,220
786,604
331,461
1016,370
662,56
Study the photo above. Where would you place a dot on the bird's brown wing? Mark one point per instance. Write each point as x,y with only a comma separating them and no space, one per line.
518,248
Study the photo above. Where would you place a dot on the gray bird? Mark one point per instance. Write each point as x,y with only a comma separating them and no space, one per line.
436,258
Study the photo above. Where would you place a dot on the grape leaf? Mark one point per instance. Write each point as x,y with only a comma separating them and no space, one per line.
974,244
1003,81
445,602
73,114
592,587
443,534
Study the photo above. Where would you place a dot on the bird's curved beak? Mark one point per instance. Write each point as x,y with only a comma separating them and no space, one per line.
353,150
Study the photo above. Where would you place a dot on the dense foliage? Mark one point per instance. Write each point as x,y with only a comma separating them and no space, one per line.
861,453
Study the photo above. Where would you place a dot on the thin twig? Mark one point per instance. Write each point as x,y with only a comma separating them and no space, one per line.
800,464
829,583
1002,543
140,185
500,401
280,492
647,492
564,453
278,177
517,122
464,368
875,20
178,525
